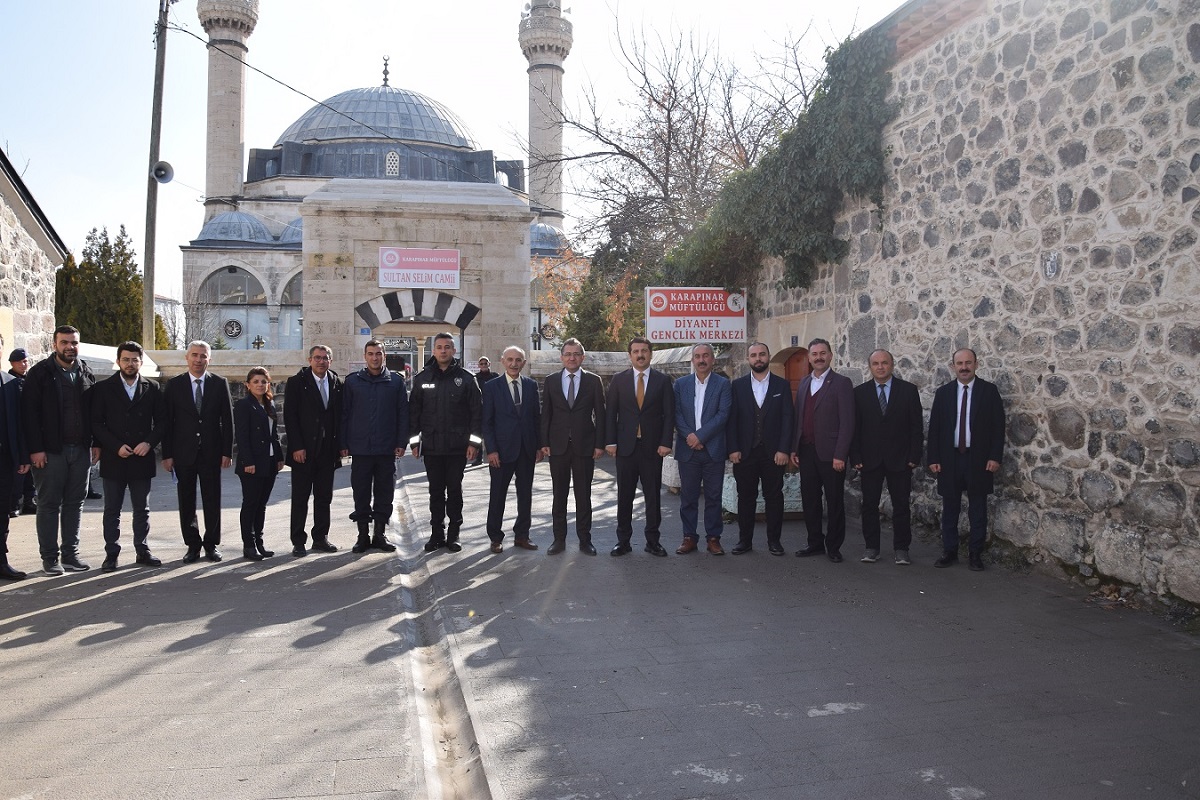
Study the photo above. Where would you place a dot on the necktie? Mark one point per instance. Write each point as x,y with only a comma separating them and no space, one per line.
516,394
882,401
324,393
962,423
641,388
199,394
571,390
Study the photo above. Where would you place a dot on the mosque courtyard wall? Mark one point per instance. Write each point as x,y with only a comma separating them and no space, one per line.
1043,209
26,284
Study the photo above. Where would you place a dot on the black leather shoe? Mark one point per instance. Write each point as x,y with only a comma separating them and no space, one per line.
947,560
323,546
93,495
776,549
9,574
29,507
452,546
381,543
435,543
656,550
587,549
147,560
251,554
620,550
741,547
299,551
556,547
810,551
975,563
192,555
212,553
109,564
835,556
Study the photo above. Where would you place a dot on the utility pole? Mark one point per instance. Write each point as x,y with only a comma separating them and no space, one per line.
160,66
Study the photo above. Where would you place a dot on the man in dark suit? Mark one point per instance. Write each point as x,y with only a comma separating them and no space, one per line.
572,438
886,447
759,437
198,444
702,402
640,421
128,421
312,416
824,429
965,447
512,416
14,461
24,498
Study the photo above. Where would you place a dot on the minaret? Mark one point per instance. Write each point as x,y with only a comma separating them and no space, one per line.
545,39
228,24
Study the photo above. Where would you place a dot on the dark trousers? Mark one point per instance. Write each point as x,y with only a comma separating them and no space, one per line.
572,467
256,491
139,502
210,495
701,472
445,475
313,479
21,490
644,466
759,467
8,478
899,484
502,476
819,478
959,464
373,478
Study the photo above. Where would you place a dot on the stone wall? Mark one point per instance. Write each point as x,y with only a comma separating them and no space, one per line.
1043,209
26,289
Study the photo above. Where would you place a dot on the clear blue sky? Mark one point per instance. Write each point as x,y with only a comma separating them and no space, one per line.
75,109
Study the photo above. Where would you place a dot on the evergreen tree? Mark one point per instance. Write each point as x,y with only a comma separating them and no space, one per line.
102,294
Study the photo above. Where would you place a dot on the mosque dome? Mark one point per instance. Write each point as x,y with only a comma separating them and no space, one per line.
546,240
235,226
379,112
293,233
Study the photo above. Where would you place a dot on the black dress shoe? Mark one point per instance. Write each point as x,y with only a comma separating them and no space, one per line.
947,560
212,553
29,507
835,556
452,546
775,549
14,514
109,564
91,495
192,555
810,551
741,547
324,546
299,551
620,550
9,574
556,547
975,562
587,549
147,560
656,550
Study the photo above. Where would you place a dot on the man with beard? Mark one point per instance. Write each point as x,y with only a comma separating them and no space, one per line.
128,421
760,439
312,416
58,433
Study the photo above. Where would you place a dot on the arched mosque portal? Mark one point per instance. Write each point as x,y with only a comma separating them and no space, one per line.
406,319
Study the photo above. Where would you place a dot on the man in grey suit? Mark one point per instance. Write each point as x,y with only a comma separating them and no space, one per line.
572,437
702,402
824,430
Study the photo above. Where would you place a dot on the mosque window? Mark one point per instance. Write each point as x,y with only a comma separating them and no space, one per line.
293,293
232,286
393,164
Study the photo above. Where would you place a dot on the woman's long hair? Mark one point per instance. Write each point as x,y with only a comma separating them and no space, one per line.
268,400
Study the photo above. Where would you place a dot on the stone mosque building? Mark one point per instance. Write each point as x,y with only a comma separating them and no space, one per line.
374,214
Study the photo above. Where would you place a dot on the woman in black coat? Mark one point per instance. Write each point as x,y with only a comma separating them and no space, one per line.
259,458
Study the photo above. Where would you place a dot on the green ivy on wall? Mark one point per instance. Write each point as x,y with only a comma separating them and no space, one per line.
787,204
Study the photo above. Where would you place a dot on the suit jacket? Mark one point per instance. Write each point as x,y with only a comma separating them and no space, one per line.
833,417
656,416
778,413
507,430
986,421
892,442
41,409
581,424
257,439
198,439
13,449
714,416
309,424
118,421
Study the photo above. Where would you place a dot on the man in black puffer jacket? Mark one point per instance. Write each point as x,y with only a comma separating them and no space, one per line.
446,410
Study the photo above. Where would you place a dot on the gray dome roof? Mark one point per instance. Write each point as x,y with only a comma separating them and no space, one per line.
235,226
546,240
379,112
294,232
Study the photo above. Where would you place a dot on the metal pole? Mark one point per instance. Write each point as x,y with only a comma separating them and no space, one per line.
160,65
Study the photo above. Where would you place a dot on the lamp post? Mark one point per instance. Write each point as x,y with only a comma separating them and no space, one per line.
259,342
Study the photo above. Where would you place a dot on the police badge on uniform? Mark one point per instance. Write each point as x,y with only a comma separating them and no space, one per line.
458,381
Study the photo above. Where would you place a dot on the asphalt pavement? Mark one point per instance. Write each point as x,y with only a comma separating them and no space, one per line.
525,676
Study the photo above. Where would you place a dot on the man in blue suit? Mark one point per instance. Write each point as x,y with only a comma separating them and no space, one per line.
702,402
511,421
760,442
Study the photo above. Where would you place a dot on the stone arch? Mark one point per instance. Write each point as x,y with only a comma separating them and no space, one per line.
427,303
